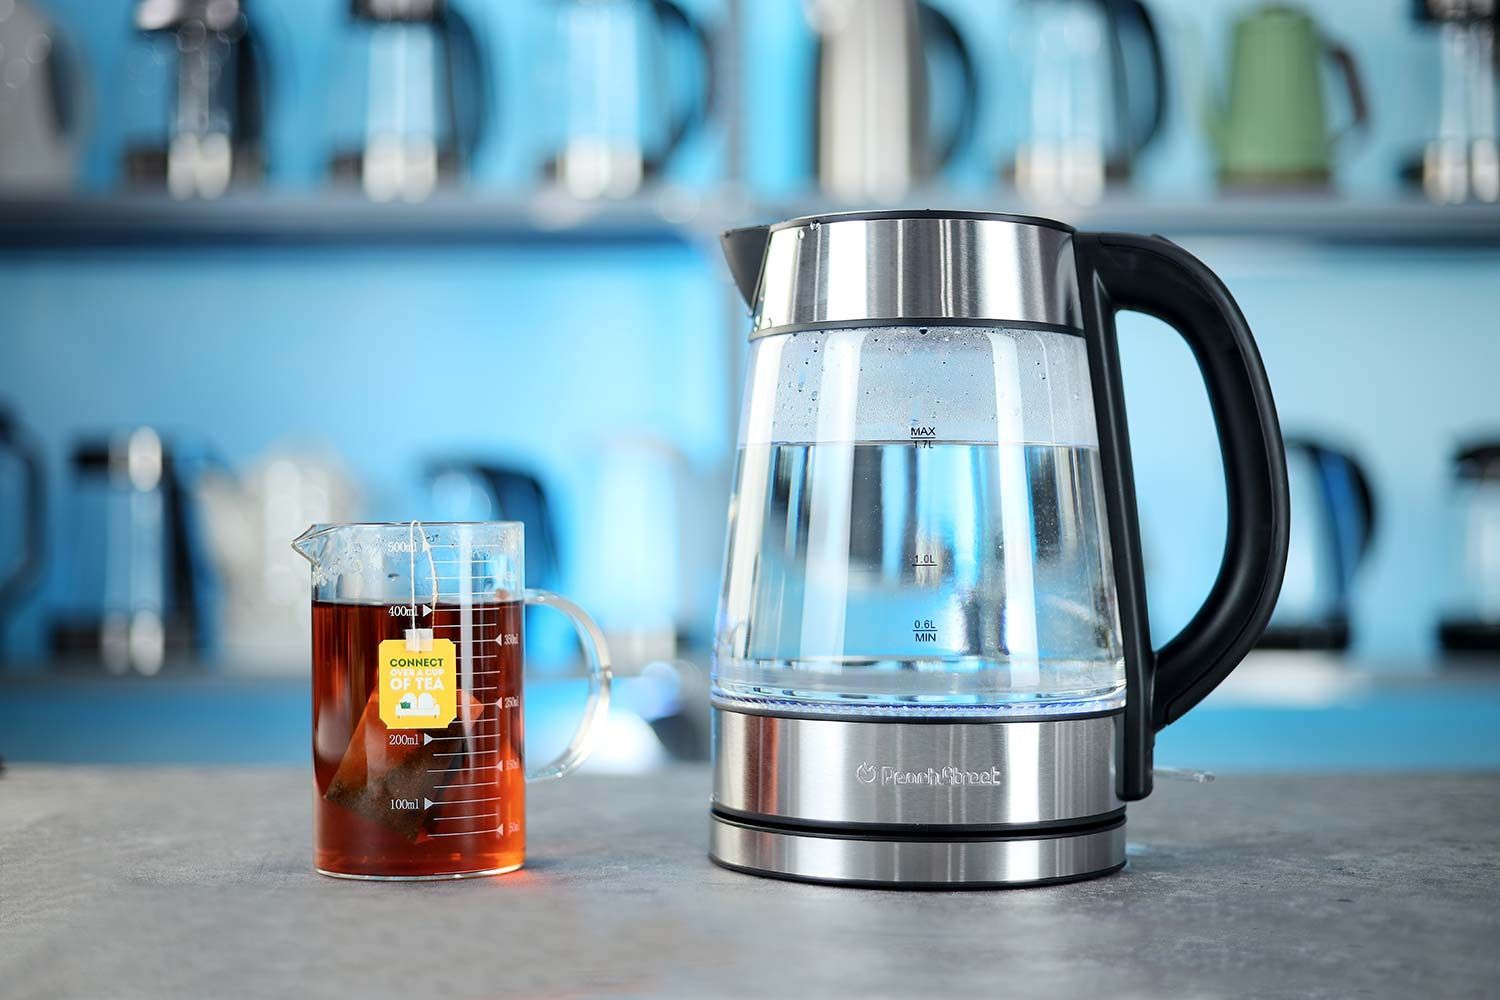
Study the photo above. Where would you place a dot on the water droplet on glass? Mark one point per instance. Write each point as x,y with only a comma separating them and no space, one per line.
38,49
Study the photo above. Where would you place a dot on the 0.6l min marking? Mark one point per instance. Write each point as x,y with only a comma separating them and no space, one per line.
924,630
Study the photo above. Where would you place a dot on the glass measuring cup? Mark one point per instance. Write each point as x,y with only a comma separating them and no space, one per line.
417,698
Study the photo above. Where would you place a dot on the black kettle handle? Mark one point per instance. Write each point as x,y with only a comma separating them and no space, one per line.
1142,16
688,119
942,27
28,567
1152,275
468,61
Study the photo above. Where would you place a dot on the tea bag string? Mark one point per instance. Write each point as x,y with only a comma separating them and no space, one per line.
415,531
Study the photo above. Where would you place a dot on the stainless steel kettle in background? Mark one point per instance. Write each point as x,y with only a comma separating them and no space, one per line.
874,117
38,103
1333,523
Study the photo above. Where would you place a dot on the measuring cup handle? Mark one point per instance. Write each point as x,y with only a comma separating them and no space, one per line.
597,654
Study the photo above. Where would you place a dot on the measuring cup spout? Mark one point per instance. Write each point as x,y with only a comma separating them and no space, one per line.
313,543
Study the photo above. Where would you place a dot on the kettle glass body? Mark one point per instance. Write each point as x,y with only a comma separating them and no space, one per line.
918,525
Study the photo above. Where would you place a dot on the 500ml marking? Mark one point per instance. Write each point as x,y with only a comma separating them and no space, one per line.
923,437
924,630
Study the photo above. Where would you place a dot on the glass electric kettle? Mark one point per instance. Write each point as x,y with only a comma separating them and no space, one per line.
1333,524
411,100
1097,95
1471,622
194,99
637,82
932,663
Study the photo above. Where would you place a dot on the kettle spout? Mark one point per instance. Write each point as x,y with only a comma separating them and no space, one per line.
745,251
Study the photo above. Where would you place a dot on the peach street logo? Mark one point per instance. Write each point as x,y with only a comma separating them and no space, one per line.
938,777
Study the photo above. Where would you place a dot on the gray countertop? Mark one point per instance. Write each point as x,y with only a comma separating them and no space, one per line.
176,882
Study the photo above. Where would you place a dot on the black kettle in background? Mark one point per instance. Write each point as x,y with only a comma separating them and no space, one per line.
22,512
412,99
1097,95
624,112
1332,525
467,490
1472,621
875,136
195,92
470,490
141,583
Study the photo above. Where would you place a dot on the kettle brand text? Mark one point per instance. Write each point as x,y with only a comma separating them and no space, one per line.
948,776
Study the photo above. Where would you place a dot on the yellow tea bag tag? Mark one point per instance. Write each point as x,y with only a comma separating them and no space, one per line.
418,680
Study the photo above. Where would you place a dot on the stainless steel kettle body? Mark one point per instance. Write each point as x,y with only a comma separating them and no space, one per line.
874,116
931,658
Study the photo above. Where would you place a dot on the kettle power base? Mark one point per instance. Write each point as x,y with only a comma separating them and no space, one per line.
893,861
917,803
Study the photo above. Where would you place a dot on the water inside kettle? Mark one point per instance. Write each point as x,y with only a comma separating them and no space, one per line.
923,574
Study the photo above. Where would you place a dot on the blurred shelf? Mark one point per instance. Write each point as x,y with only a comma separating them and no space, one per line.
682,218
334,219
1296,218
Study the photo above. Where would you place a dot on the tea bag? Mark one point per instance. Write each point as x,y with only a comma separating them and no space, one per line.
382,764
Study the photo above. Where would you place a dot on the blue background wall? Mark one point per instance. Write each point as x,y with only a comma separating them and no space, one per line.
1391,352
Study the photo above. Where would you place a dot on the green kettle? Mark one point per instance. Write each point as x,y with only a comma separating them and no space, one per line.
1272,130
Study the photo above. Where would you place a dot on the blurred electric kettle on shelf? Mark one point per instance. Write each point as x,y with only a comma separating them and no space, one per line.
1273,131
247,519
875,109
195,92
1332,525
1098,95
1462,161
1472,620
140,585
463,489
412,101
624,112
39,98
476,489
